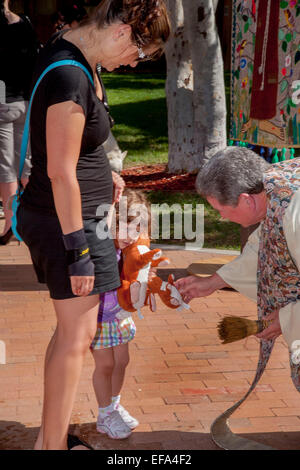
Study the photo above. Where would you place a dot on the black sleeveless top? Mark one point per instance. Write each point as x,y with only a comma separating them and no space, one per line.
61,84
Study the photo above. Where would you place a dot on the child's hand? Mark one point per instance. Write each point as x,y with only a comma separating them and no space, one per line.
119,185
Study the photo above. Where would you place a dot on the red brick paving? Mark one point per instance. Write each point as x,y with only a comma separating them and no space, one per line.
179,380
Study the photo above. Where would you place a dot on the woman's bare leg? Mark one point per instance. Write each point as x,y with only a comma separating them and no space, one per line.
7,190
76,327
39,441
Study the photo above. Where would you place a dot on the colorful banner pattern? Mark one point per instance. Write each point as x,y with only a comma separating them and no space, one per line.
265,79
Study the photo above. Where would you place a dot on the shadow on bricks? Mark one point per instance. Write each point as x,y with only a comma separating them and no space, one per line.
17,436
164,273
179,440
19,277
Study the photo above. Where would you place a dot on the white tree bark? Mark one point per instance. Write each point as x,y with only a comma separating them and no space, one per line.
179,90
195,85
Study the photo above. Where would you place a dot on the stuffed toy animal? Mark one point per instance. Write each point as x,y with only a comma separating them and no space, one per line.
136,290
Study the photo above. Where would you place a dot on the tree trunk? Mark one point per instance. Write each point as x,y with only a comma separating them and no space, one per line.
195,85
179,90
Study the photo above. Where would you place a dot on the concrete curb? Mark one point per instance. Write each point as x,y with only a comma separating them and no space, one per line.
166,247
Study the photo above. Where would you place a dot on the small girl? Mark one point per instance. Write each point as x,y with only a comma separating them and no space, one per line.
110,347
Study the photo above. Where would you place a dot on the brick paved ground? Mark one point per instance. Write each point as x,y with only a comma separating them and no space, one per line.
179,380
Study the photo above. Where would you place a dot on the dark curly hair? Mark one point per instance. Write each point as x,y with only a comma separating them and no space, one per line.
73,13
148,19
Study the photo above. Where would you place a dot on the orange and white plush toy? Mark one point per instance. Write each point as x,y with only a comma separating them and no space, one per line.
137,289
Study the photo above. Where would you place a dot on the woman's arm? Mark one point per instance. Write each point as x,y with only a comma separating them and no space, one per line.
64,128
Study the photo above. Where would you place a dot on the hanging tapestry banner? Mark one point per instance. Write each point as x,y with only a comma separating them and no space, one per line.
265,75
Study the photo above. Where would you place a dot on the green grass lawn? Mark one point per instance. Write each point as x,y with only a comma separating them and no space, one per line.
138,106
218,233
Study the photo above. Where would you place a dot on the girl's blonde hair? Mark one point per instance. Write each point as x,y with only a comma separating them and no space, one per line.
134,197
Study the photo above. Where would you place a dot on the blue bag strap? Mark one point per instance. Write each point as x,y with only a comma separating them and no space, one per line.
25,137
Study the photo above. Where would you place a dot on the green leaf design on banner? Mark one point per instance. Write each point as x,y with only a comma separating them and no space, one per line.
246,27
281,35
284,46
237,74
284,85
297,57
288,37
284,4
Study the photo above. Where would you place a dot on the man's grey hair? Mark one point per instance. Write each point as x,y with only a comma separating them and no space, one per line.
231,172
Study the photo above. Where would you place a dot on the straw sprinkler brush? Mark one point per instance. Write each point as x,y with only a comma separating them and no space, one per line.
232,329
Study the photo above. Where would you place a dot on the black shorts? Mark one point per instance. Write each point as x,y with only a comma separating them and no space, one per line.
43,236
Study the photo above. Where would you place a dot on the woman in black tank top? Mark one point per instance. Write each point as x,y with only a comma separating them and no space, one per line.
70,180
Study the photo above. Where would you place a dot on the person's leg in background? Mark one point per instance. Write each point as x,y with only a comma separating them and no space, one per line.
12,119
8,181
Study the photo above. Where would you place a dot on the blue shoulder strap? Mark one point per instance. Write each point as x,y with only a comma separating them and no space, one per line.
25,137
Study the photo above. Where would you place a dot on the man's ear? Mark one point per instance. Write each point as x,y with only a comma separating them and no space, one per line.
245,199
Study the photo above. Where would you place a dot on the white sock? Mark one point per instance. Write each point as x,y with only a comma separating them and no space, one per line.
116,401
104,412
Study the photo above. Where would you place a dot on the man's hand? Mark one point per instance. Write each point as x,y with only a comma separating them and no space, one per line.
274,330
191,287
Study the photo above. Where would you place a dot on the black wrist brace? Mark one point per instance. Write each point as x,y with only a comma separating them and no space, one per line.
78,257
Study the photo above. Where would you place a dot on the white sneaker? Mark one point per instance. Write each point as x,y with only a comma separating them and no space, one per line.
114,426
127,418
